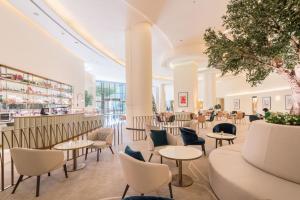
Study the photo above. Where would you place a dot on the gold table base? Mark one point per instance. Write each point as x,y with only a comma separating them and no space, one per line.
185,180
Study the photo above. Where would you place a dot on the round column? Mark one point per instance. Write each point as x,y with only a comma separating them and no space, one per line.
162,98
185,81
138,72
209,98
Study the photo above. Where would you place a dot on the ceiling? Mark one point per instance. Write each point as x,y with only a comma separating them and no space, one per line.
95,29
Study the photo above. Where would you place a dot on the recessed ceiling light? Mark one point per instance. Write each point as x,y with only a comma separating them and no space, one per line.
36,14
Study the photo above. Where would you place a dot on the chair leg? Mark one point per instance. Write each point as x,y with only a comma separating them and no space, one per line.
17,184
38,180
161,160
216,143
150,157
142,194
49,174
176,163
86,153
232,142
125,191
203,149
111,150
65,170
170,189
98,153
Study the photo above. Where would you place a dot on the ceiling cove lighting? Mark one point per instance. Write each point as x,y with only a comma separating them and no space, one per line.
258,91
61,12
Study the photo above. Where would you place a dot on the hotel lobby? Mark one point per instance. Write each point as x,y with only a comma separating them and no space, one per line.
150,100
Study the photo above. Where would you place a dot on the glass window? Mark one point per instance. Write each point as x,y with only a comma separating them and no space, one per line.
110,97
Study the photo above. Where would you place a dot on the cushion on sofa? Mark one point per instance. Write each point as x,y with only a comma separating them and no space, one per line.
159,137
135,154
189,136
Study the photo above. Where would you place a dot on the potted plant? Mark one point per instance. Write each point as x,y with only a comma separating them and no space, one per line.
217,107
261,37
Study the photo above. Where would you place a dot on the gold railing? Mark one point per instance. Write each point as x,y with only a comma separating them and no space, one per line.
139,124
41,132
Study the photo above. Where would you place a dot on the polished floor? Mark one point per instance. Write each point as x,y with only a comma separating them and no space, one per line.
104,180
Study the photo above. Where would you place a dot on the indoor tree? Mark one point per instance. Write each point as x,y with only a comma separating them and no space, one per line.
261,37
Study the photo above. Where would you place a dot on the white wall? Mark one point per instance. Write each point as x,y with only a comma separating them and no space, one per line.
277,101
25,46
237,88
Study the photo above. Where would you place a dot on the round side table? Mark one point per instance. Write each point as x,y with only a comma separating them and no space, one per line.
74,146
181,153
220,137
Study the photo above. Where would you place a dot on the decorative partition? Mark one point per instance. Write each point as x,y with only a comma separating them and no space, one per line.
41,132
139,122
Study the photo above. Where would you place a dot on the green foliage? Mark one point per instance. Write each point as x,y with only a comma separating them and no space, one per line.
154,108
262,35
217,106
172,105
282,118
104,92
88,98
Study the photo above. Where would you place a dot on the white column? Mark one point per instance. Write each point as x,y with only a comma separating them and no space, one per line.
209,98
185,80
138,71
162,98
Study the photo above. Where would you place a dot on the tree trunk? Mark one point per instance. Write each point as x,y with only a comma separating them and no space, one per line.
295,86
294,82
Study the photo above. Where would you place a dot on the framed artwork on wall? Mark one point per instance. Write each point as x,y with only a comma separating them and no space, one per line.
183,99
266,102
288,102
236,104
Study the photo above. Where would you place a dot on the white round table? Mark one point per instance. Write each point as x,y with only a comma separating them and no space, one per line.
221,136
181,153
74,146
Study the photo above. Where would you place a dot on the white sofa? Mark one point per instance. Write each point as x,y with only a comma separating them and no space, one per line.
266,166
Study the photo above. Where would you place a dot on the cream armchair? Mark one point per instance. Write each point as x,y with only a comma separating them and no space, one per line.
103,138
172,140
144,177
33,162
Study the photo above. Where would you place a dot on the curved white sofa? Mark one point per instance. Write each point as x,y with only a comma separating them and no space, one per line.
266,166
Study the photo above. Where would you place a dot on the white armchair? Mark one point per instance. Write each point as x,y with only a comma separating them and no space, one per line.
144,177
33,162
172,140
103,138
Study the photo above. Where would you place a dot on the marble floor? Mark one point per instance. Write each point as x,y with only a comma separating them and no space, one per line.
104,180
